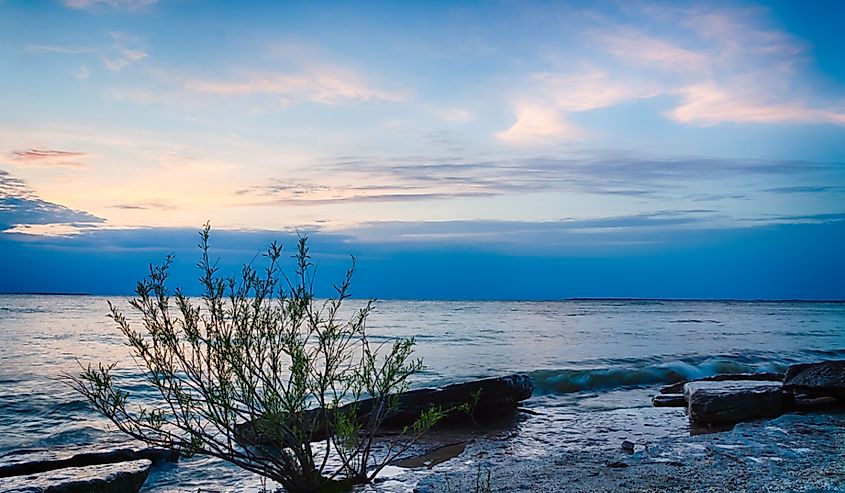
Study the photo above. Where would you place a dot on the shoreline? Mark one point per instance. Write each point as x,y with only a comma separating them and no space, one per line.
551,445
792,453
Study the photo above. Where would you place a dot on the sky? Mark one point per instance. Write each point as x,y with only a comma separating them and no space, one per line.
459,150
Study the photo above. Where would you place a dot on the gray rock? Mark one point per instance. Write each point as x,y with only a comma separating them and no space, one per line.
733,401
805,403
496,397
678,388
669,400
825,379
33,461
121,477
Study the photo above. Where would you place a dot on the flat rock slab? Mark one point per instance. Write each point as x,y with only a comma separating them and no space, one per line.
825,379
733,401
433,457
493,398
678,388
122,477
33,461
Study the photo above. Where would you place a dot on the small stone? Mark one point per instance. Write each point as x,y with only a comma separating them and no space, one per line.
669,400
617,464
627,446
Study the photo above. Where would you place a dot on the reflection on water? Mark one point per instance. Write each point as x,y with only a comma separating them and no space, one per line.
585,356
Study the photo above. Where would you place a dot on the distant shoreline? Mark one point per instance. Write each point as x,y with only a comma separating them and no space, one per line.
471,300
719,300
45,293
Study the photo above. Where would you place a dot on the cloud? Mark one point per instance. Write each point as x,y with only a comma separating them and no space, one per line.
538,124
662,226
39,154
11,186
543,117
417,178
303,193
95,5
455,115
590,90
67,50
806,189
21,207
710,105
143,206
635,46
123,58
506,260
717,65
552,232
47,158
823,218
747,72
737,31
325,85
82,73
115,57
119,55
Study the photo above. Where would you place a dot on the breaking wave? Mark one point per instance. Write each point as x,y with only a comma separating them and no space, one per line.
651,371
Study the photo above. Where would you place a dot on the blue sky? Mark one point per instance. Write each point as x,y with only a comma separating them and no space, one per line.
458,149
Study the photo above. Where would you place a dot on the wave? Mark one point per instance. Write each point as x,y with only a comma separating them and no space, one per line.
632,373
23,309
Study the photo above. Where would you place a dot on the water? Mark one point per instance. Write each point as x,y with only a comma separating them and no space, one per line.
585,357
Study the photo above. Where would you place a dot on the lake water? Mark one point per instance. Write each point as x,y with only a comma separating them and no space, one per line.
584,356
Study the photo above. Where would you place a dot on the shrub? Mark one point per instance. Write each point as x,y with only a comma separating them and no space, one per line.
259,348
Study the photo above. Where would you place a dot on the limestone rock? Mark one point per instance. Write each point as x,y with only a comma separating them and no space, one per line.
733,401
120,477
33,461
825,379
678,388
495,397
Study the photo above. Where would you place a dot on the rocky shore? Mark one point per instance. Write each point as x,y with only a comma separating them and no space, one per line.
729,433
735,433
792,453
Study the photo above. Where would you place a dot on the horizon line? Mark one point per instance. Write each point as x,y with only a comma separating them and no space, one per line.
506,300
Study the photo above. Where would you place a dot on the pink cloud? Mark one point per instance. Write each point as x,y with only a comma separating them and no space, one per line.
708,104
539,124
326,85
633,46
720,65
47,158
114,4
